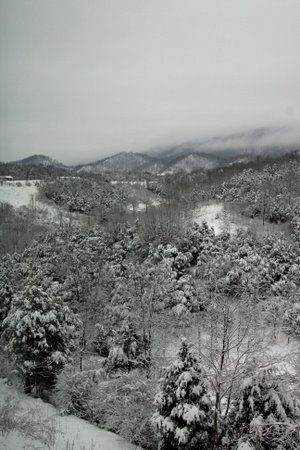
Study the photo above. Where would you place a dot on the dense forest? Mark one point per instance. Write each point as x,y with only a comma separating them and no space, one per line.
148,324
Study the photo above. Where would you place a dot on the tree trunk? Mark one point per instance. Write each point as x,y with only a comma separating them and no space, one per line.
27,385
218,396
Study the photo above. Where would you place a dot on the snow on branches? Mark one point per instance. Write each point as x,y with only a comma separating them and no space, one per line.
40,334
183,407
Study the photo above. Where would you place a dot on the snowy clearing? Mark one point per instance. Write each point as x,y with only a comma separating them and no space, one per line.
143,206
132,183
18,195
61,432
21,193
215,216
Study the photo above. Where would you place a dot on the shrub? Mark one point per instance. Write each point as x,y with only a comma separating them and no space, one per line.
122,405
74,391
265,413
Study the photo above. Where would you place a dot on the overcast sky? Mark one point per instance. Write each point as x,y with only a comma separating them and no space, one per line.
83,79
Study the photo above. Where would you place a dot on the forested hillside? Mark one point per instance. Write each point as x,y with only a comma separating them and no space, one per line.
94,312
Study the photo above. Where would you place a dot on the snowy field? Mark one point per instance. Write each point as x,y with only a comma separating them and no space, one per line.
56,432
16,195
20,193
215,216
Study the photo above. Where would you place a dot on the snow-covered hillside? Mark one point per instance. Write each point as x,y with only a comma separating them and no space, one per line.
23,193
56,432
122,163
39,160
18,193
135,162
215,216
189,163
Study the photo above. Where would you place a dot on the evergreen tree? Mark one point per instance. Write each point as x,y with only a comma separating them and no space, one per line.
265,414
183,408
40,333
125,350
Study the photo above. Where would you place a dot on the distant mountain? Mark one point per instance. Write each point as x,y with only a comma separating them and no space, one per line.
244,145
171,162
190,162
119,163
218,151
39,160
154,167
260,142
34,167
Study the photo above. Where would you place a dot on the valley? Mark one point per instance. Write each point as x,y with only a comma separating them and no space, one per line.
114,280
149,225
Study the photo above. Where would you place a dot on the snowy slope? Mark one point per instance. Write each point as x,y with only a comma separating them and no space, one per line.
215,216
39,160
189,163
122,163
135,162
26,195
17,195
70,433
259,141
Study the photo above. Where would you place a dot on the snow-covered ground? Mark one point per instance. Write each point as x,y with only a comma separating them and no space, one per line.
189,163
18,193
285,351
282,351
21,193
215,216
57,432
132,183
139,207
143,206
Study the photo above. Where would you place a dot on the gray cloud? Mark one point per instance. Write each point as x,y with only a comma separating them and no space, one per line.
84,79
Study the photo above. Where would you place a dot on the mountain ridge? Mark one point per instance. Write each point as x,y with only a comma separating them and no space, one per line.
38,159
217,151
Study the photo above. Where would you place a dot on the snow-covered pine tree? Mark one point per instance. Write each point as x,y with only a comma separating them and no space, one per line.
123,352
183,407
265,414
40,333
